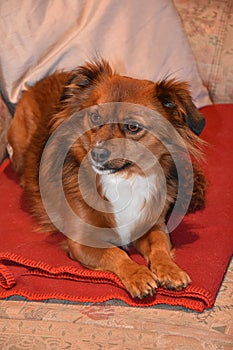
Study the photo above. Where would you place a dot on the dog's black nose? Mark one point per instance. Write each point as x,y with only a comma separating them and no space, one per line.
100,155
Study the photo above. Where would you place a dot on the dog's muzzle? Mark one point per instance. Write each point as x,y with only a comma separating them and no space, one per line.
102,162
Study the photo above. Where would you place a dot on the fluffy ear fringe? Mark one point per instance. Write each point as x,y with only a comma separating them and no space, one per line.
90,73
176,99
84,77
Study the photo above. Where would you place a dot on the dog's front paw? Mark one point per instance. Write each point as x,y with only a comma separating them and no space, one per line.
170,276
139,281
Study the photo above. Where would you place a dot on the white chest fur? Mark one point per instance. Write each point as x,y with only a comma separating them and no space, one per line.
131,200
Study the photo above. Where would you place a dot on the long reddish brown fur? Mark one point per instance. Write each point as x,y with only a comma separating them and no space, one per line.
49,104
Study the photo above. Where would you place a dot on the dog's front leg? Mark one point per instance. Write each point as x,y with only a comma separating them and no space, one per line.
155,246
137,279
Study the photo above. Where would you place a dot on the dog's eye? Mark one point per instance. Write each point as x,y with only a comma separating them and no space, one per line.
95,118
133,127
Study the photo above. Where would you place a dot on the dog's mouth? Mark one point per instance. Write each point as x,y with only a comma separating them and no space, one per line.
112,166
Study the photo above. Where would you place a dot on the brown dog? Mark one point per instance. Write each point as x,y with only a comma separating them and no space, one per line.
119,139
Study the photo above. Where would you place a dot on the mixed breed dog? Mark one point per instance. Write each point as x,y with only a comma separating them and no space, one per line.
117,175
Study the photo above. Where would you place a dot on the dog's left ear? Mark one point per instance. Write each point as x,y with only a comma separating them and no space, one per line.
176,100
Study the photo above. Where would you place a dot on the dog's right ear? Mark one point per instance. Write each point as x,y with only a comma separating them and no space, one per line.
84,77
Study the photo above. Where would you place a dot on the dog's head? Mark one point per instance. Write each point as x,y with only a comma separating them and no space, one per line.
134,111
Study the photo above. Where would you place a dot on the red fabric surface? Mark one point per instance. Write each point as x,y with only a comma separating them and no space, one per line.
34,266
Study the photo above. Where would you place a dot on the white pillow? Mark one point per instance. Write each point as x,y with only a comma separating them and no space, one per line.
142,39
